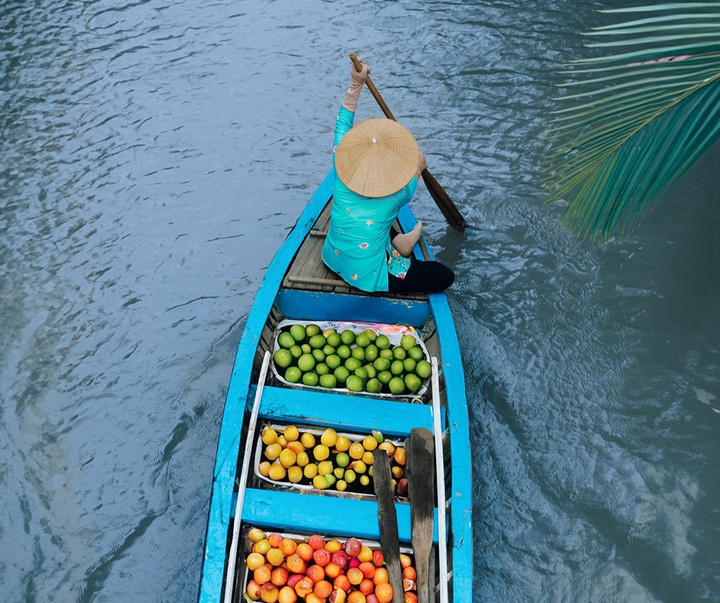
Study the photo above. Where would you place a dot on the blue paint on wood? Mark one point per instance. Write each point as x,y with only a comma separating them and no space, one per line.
357,414
313,514
315,305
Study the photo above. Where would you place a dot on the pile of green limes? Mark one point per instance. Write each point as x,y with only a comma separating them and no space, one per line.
359,362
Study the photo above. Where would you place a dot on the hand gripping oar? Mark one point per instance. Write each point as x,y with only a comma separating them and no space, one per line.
421,483
437,192
387,521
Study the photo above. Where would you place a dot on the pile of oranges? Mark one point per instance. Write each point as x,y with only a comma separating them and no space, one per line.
315,570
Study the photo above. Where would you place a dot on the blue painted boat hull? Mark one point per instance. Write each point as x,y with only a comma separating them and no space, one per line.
301,513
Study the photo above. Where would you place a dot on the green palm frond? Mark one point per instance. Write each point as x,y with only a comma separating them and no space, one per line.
634,121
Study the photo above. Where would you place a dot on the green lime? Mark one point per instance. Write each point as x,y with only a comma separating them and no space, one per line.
330,480
396,368
283,358
317,341
319,355
371,352
349,476
371,371
362,339
358,353
373,386
310,379
334,340
296,351
343,351
293,374
328,381
383,342
396,385
347,337
311,330
306,349
342,459
412,382
371,335
381,364
338,472
322,369
306,362
298,333
416,353
361,372
328,349
329,331
355,383
408,341
285,340
399,352
423,369
384,377
333,361
352,364
379,437
409,365
387,353
341,374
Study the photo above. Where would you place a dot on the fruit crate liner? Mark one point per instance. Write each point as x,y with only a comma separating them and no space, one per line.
309,488
393,332
247,544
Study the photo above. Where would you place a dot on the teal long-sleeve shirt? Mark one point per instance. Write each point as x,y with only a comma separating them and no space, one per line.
357,246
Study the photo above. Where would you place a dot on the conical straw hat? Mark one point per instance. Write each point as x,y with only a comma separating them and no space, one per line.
377,157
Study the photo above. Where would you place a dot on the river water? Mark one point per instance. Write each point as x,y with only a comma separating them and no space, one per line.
153,156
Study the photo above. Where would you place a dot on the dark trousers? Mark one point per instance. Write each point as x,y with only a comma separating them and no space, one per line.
428,277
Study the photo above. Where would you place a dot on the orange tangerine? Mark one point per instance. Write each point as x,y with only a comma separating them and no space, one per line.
409,573
296,564
370,443
356,450
262,574
288,458
323,589
367,568
269,593
291,433
273,451
333,546
356,597
304,551
307,439
354,575
275,538
321,452
254,561
275,557
287,546
384,592
256,535
405,560
262,546
269,436
342,444
329,437
287,594
410,598
366,554
381,576
366,587
279,576
264,468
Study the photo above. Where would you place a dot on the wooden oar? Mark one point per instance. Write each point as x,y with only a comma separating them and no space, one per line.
387,521
421,473
437,192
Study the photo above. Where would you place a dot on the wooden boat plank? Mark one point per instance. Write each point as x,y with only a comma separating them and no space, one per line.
354,413
304,305
297,512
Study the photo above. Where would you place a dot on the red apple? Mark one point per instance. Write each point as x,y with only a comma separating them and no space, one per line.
378,558
402,487
353,547
321,557
316,542
341,558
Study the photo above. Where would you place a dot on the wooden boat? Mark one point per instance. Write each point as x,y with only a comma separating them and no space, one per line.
298,287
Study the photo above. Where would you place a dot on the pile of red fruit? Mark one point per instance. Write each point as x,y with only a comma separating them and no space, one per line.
285,570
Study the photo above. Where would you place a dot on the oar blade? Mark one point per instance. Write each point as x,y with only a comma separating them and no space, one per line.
421,477
387,521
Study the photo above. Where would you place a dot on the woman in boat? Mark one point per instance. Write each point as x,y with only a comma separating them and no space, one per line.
378,165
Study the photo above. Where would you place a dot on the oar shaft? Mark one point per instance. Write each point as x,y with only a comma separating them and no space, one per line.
437,192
